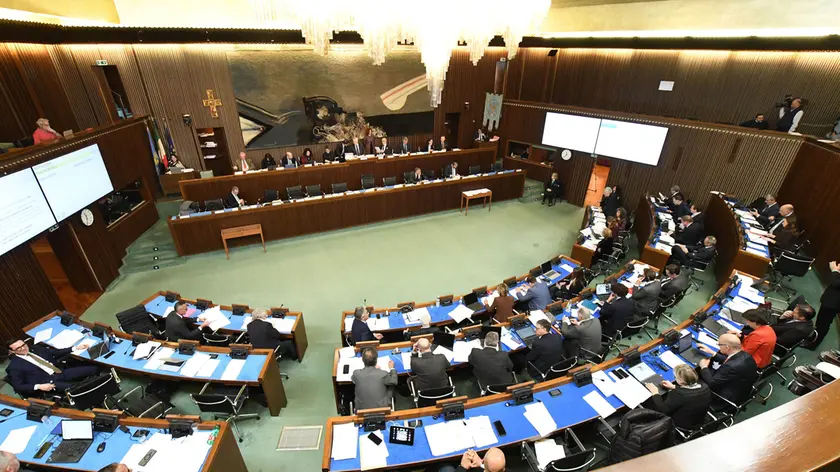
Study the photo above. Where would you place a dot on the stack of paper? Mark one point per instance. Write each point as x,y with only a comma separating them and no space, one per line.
43,335
707,340
355,364
603,382
344,441
158,358
631,392
666,239
566,267
380,324
508,340
590,244
481,431
194,364
448,437
405,357
740,305
462,349
371,455
599,404
17,440
283,325
66,339
446,353
215,317
548,450
233,369
539,417
460,313
751,294
536,315
668,357
413,317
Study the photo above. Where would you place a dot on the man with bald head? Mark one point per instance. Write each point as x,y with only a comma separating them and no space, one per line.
785,212
428,369
737,372
8,462
494,461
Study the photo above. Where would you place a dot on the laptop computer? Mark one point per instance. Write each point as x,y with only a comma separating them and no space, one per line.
471,301
77,436
603,291
733,315
548,270
686,349
712,325
175,170
443,339
527,334
644,374
99,349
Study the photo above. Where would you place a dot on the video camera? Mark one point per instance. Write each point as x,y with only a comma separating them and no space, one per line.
788,100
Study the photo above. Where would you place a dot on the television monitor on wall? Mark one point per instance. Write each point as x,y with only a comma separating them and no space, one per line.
578,133
24,212
631,141
74,181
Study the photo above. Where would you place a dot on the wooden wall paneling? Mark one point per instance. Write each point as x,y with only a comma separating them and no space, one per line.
25,292
45,85
74,89
84,56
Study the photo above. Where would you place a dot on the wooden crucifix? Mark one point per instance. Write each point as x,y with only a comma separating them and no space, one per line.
212,103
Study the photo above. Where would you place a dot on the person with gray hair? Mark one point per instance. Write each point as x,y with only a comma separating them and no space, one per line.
581,333
44,131
425,325
734,377
8,462
491,365
264,335
360,330
373,384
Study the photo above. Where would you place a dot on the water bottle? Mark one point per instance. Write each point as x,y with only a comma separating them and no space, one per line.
213,435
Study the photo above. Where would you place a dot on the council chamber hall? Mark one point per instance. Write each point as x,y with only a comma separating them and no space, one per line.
544,235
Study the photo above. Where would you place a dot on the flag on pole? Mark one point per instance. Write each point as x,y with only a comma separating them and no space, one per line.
154,151
170,144
164,159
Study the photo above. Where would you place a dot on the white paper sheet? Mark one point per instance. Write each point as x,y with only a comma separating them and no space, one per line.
446,352
509,341
707,340
740,304
757,252
666,239
406,360
355,364
348,324
233,369
539,417
215,317
283,325
460,313
344,441
661,246
448,437
547,450
670,358
631,392
18,439
751,294
208,368
194,364
641,371
598,403
536,315
66,339
602,382
143,350
43,335
462,349
380,324
382,363
158,357
346,352
415,315
481,431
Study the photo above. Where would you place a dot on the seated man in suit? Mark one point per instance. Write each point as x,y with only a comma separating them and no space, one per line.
581,333
404,147
384,148
263,335
646,292
609,202
425,325
268,161
553,188
491,365
794,326
494,461
177,327
689,233
676,281
480,135
776,225
769,213
428,369
545,351
617,311
32,371
695,256
737,372
537,297
360,330
417,176
372,384
328,156
290,160
451,171
428,147
244,163
232,199
697,215
442,145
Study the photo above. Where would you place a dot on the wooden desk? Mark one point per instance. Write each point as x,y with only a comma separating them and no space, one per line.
241,232
645,225
253,184
468,195
170,182
535,170
200,232
580,252
720,222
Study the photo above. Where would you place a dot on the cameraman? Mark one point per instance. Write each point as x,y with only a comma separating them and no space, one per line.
789,115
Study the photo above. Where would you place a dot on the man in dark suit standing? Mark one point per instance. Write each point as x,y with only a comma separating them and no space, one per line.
428,369
690,233
610,202
794,325
734,378
770,211
32,371
404,147
676,281
553,188
451,171
177,327
263,335
491,365
360,330
545,351
232,199
829,305
442,145
698,255
617,311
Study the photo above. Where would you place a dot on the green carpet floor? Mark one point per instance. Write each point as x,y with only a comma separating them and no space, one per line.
411,259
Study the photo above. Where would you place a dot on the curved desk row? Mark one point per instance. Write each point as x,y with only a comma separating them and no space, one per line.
293,328
259,369
571,407
201,232
392,322
585,244
194,453
252,184
647,233
734,250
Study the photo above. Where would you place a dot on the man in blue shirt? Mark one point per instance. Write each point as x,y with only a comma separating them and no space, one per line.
538,295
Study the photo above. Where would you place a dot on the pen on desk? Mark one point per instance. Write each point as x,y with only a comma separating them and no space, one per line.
43,440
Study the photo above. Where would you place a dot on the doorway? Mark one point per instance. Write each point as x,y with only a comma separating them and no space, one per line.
597,182
450,129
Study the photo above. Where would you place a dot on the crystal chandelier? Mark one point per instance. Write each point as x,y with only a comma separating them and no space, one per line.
435,27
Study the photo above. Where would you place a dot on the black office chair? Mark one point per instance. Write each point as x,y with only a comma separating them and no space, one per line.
270,195
214,205
695,266
492,389
139,404
430,174
636,326
224,402
784,357
429,396
215,339
339,187
407,176
731,410
137,319
294,193
389,181
368,182
92,391
476,169
314,190
784,268
577,457
497,167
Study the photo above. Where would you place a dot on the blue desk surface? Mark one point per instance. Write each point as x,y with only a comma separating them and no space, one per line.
440,314
121,359
117,443
158,306
744,227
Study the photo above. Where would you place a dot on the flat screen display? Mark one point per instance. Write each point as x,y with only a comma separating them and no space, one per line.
631,141
578,133
24,212
73,181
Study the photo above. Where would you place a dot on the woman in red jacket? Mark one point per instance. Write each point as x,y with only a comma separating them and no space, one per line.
761,341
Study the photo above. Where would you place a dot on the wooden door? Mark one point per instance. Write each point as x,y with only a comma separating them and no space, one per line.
597,182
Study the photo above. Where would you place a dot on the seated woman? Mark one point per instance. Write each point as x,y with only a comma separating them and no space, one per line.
686,402
307,157
612,224
621,219
570,287
785,237
604,248
760,340
502,307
